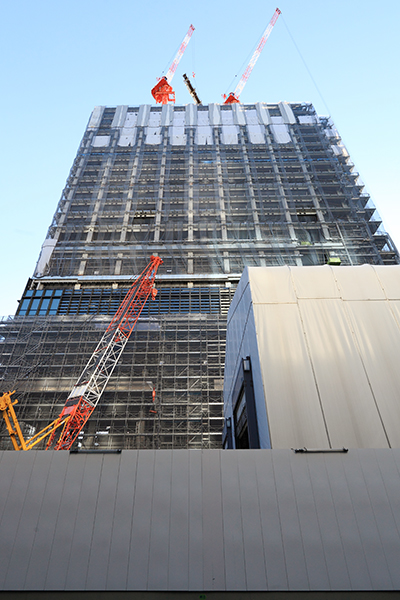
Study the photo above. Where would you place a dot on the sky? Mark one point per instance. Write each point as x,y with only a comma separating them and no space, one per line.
60,59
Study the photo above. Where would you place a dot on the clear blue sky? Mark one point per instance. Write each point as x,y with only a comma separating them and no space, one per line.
60,59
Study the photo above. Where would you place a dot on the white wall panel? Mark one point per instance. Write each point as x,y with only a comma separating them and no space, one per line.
293,407
263,113
281,133
287,113
380,354
95,118
389,279
359,283
191,115
327,340
272,285
119,116
349,407
101,141
311,283
143,115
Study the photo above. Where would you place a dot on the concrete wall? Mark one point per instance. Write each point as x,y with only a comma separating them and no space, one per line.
200,521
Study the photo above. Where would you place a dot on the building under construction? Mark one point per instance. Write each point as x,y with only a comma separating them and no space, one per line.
211,190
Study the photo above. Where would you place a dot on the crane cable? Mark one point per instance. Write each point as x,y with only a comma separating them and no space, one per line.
306,66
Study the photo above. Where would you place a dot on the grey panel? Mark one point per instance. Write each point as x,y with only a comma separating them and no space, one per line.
121,532
141,522
13,508
119,116
232,523
349,407
196,544
47,520
275,561
369,533
352,545
385,524
214,570
84,523
389,467
291,532
103,522
378,336
178,551
327,520
313,545
160,521
248,520
253,542
62,540
27,525
293,407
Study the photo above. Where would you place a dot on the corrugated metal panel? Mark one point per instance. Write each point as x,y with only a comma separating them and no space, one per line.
201,520
122,522
62,539
326,342
340,377
291,396
84,525
53,490
141,522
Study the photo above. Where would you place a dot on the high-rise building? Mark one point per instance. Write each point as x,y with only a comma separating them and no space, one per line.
210,189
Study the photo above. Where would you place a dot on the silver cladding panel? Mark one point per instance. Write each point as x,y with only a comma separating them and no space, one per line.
324,344
210,520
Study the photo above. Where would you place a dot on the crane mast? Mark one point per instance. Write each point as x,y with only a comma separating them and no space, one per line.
162,92
234,96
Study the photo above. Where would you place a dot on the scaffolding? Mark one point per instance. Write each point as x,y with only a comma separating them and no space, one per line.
212,190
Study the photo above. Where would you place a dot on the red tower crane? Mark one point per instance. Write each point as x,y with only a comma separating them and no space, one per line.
162,92
87,391
234,96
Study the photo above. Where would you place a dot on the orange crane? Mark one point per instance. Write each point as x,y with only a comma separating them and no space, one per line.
87,391
162,92
234,96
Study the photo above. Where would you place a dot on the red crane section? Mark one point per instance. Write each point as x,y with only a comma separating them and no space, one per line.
87,391
234,96
162,92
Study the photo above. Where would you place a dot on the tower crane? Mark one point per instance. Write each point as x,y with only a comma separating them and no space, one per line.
234,96
162,92
89,387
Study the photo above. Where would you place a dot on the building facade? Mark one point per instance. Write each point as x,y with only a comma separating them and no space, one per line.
212,190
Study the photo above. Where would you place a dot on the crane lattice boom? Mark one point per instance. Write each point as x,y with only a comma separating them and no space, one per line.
234,96
87,391
179,54
162,92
